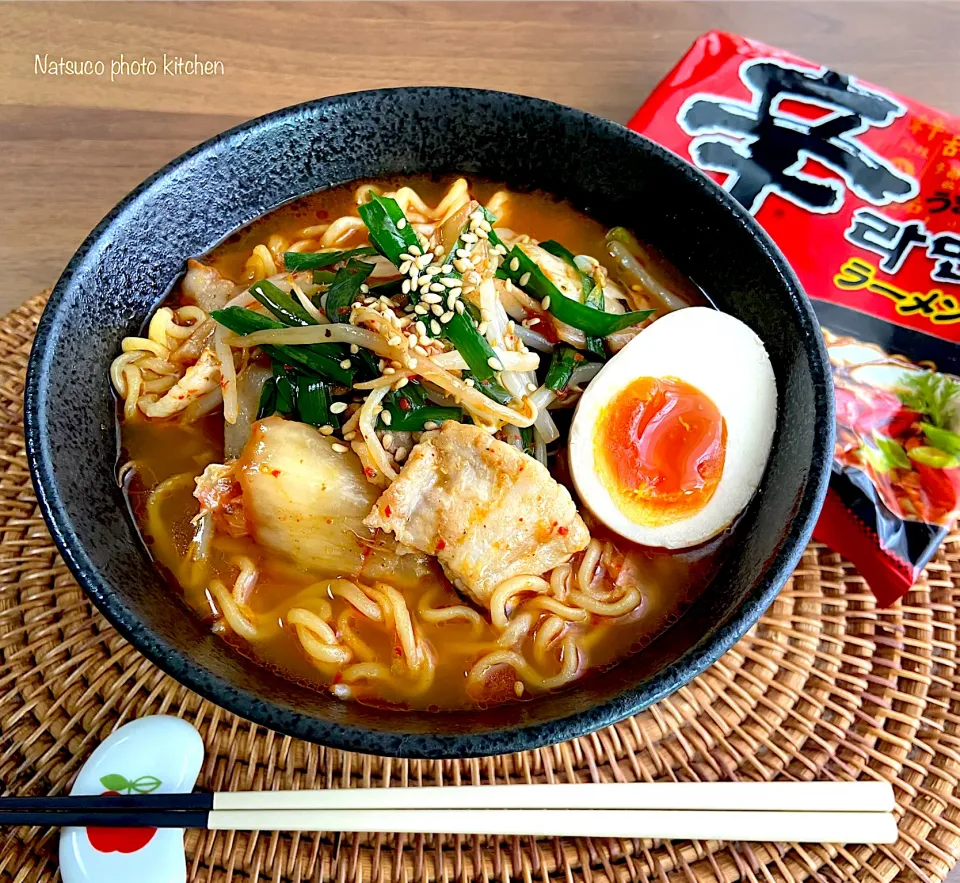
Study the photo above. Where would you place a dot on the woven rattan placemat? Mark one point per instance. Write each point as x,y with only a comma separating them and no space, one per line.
826,686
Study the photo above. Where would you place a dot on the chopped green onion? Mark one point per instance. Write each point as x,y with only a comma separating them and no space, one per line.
286,401
313,402
313,357
562,363
268,399
592,293
323,277
526,439
345,290
592,321
315,260
390,232
387,289
393,235
284,307
490,388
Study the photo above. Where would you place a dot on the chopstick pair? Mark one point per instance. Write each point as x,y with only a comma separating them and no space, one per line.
811,812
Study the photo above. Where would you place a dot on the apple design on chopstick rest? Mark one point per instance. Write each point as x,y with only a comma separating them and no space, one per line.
158,755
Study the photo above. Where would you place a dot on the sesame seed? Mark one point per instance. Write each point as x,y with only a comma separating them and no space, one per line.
405,286
451,301
515,264
462,265
532,322
459,306
495,363
401,383
531,387
394,363
399,454
386,416
500,249
482,327
430,425
469,381
447,268
485,315
437,309
420,351
396,340
424,261
415,250
349,436
483,234
338,407
545,303
448,282
423,283
411,362
345,363
421,328
431,298
473,278
437,287
387,440
401,223
406,256
420,310
469,237
354,349
457,292
339,448
424,340
389,370
364,289
524,279
511,326
439,250
414,275
434,326
462,253
326,430
412,339
446,317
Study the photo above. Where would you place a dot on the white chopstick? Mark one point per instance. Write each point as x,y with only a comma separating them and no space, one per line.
833,797
786,826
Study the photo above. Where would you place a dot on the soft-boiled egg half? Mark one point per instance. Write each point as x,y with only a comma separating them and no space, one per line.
670,439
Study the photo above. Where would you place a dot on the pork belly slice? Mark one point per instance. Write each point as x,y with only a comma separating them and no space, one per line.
486,510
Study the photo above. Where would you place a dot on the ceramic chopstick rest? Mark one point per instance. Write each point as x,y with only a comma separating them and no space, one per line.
152,755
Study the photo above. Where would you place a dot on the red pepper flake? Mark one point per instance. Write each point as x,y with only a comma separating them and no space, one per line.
387,510
275,473
563,531
370,472
405,404
441,545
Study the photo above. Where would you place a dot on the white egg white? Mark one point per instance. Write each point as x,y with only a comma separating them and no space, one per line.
725,360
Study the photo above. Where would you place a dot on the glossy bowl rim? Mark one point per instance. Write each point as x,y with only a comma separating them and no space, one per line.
514,738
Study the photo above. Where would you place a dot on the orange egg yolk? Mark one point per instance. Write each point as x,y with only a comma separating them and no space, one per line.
659,446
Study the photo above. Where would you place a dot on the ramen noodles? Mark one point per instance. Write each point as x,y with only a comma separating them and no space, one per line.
344,441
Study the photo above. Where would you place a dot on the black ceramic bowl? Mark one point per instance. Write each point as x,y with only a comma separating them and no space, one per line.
130,261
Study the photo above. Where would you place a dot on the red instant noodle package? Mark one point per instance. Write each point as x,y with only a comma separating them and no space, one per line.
860,188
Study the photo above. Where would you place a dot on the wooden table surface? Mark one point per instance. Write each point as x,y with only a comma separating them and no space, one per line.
72,146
